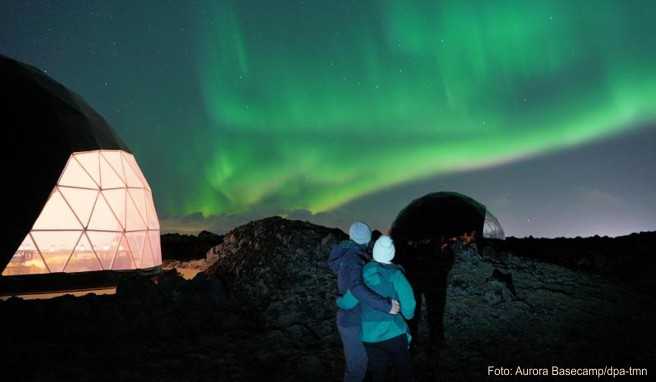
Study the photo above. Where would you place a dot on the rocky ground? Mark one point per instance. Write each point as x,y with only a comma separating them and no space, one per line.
178,247
265,310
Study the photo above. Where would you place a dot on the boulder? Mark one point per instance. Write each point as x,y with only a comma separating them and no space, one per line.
279,267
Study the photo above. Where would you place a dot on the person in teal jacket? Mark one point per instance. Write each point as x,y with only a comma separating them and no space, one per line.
386,338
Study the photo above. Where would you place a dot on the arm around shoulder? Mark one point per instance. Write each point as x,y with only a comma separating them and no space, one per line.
360,290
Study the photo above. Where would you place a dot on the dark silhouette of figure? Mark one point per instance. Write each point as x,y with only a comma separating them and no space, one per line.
427,264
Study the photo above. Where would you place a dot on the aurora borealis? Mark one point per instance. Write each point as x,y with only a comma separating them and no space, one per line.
375,95
253,108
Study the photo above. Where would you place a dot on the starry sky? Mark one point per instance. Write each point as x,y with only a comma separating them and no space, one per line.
331,111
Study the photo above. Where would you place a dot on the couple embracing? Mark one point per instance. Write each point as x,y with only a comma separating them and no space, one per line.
375,300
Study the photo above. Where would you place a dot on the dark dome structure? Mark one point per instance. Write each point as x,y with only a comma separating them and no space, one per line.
75,197
445,214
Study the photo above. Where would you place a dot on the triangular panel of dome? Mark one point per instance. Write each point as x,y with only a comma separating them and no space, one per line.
153,221
155,247
131,177
56,214
56,247
137,170
89,160
147,259
134,220
139,198
75,176
108,177
123,259
136,243
105,244
81,202
83,258
116,200
26,261
102,217
113,157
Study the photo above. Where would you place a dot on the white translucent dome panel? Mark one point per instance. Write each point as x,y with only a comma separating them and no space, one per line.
100,216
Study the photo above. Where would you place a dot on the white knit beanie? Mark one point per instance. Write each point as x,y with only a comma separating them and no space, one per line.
360,233
384,250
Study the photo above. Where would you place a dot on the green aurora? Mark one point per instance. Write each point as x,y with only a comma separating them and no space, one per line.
314,105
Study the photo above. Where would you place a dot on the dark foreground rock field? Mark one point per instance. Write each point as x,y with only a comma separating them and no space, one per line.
265,311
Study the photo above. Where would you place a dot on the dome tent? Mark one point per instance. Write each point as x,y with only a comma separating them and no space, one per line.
76,204
445,214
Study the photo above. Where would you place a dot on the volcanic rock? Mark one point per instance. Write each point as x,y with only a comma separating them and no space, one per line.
279,267
501,309
506,310
266,310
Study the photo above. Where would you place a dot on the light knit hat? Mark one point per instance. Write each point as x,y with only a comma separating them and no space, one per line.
384,250
360,233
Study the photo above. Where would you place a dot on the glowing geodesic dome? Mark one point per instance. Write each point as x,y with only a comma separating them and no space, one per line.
75,199
99,216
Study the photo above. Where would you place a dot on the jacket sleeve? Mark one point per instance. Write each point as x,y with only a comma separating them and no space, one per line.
360,290
406,295
333,258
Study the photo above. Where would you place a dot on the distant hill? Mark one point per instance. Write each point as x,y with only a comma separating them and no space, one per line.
628,258
176,246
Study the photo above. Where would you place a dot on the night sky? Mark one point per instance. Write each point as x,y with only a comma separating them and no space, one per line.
332,111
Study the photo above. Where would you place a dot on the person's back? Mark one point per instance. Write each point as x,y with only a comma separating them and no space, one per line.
387,280
347,260
386,337
337,262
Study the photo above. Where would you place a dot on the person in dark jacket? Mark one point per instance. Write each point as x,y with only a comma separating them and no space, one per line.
347,260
